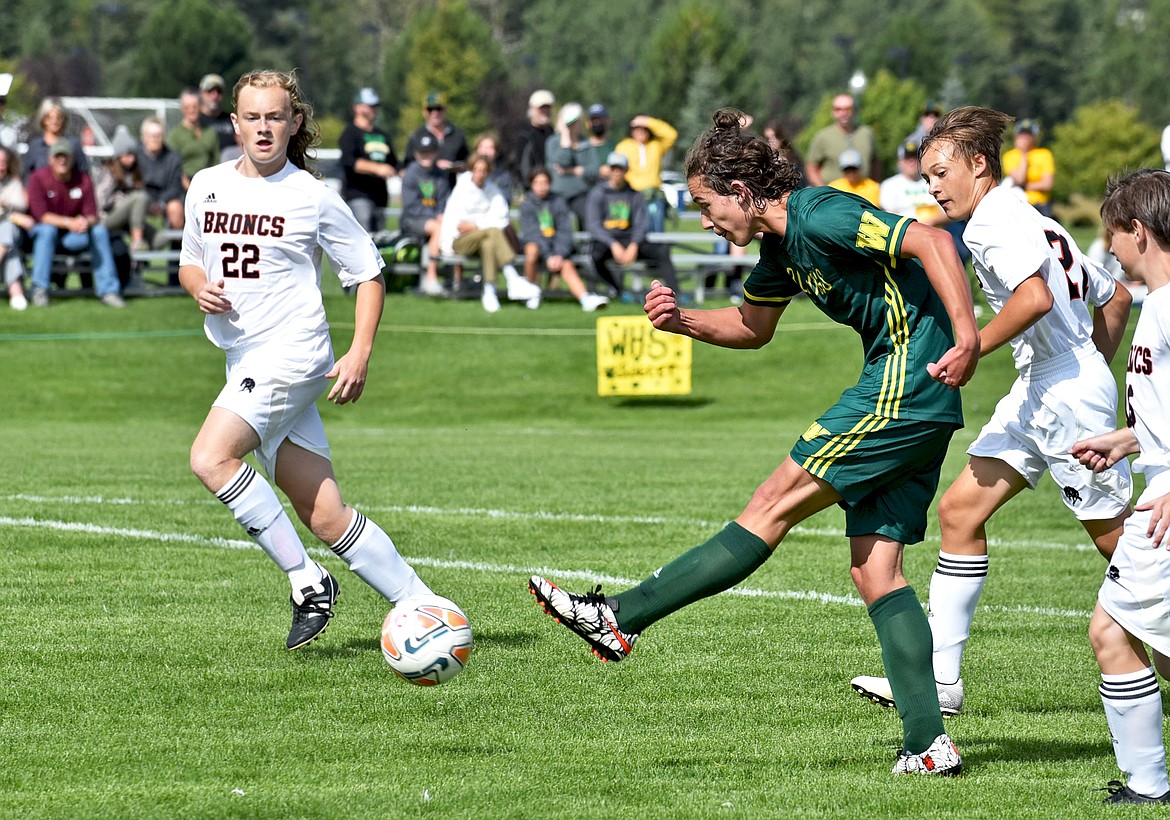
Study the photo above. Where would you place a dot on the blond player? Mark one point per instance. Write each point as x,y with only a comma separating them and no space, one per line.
1133,606
255,232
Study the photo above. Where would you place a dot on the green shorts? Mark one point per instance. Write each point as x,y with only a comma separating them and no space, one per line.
886,470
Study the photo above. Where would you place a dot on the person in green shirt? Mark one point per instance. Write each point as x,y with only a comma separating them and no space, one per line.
877,452
195,143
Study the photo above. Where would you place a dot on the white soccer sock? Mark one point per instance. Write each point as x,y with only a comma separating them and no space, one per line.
373,557
1133,708
254,504
955,588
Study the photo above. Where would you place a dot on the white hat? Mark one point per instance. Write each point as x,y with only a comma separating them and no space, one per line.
571,112
5,84
540,98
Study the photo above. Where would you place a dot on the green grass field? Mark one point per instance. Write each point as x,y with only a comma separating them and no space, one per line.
142,662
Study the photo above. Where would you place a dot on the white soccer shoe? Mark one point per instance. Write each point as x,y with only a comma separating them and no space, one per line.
592,301
950,695
521,290
941,759
588,615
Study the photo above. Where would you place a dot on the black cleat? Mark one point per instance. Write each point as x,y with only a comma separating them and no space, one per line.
1121,793
311,616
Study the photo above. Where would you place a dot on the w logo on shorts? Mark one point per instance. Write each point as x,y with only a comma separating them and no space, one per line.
248,384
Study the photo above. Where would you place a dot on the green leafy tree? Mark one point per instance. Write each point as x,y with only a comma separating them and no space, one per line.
452,51
1100,140
695,35
704,97
181,40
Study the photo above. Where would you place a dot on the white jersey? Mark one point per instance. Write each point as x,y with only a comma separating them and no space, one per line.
1009,241
264,237
1147,392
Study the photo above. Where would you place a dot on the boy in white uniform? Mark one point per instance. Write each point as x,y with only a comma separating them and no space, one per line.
1040,287
255,231
1133,606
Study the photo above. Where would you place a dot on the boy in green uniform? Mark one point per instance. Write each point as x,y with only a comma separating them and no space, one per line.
877,452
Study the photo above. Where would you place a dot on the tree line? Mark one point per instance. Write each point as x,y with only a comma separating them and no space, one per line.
1067,63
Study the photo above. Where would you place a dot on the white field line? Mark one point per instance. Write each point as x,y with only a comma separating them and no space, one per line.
585,575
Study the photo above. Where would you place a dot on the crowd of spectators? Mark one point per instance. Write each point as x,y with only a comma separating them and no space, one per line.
563,175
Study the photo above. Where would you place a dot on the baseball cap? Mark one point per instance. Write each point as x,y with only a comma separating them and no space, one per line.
540,98
366,96
435,100
598,110
61,147
617,159
930,107
571,112
849,159
908,150
427,144
1028,125
211,81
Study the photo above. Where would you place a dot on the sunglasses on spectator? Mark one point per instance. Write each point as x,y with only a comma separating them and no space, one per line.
436,108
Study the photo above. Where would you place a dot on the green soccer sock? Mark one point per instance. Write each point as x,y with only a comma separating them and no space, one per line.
719,564
904,635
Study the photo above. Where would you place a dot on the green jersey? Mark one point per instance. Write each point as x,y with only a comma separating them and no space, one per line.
843,253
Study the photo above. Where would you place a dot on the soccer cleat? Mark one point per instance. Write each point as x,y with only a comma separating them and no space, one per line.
941,759
1121,793
587,615
950,695
312,614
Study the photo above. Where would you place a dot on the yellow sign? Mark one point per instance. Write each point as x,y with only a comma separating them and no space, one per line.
634,359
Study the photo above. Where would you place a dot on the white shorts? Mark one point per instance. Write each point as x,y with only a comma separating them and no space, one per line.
1040,419
277,396
1136,590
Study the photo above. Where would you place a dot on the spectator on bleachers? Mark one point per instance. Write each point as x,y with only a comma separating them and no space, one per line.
196,144
487,145
425,190
533,136
617,225
599,135
212,115
61,200
928,115
450,138
906,192
120,193
9,135
14,223
546,229
52,119
645,150
473,225
572,160
853,180
162,173
368,159
1030,167
822,162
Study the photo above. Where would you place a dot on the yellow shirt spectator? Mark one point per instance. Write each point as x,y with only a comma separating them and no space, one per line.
1030,167
647,144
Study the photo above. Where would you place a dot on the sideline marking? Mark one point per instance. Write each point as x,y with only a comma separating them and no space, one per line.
588,576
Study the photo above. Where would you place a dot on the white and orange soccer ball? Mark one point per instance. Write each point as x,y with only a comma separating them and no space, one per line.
426,639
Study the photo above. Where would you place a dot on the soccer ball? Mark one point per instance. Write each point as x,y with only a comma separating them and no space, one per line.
426,639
